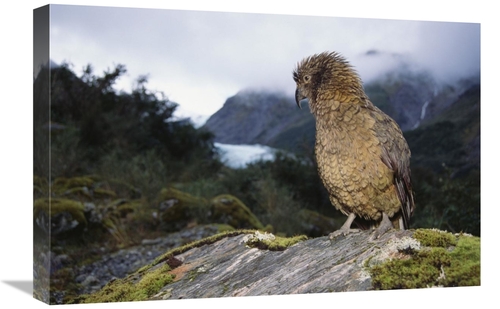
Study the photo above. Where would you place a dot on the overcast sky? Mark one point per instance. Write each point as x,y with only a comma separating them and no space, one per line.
199,59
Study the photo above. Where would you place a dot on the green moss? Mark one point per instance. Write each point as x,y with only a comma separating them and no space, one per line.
418,272
224,228
152,282
435,238
121,207
62,184
229,209
54,206
273,243
86,187
103,193
131,288
183,208
79,192
181,197
465,268
446,260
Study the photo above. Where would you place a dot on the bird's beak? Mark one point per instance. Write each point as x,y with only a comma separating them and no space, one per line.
298,97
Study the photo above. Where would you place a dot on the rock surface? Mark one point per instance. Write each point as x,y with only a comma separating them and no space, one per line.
251,271
229,267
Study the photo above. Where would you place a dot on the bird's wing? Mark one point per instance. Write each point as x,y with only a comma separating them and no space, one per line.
396,155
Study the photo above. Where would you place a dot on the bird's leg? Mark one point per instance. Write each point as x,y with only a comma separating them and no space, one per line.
401,224
384,226
345,229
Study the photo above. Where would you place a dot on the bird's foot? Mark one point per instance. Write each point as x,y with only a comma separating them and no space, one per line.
342,231
345,229
384,226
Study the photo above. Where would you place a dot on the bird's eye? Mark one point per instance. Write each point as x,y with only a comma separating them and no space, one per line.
307,78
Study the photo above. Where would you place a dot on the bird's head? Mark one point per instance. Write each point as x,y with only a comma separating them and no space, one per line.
318,73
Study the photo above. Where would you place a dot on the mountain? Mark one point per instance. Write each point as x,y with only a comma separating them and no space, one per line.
260,117
451,138
411,97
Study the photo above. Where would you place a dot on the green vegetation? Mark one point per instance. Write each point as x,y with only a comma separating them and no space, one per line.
445,260
435,238
131,288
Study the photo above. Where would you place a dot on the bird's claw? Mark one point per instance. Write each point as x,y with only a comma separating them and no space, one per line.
384,226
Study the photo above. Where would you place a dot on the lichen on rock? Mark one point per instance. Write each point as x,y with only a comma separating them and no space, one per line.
268,241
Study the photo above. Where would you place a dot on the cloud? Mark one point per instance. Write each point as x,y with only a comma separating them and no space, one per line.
450,50
201,58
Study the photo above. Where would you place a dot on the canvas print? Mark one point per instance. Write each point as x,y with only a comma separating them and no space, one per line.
191,154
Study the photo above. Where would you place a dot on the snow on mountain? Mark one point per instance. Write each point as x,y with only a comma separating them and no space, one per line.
238,156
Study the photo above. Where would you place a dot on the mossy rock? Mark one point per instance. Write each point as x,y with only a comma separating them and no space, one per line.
83,188
58,205
183,198
178,209
62,184
444,260
230,210
65,214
